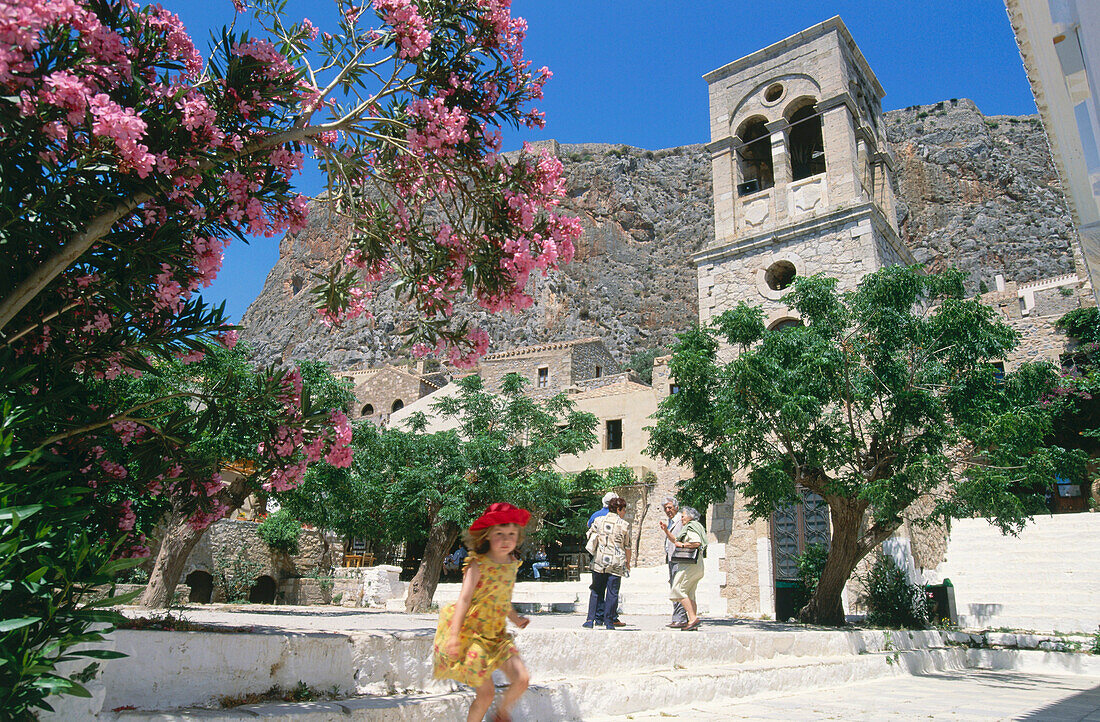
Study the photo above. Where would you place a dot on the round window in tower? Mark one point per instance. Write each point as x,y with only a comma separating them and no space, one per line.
773,93
780,275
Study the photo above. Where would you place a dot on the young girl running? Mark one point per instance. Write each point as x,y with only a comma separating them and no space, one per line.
472,639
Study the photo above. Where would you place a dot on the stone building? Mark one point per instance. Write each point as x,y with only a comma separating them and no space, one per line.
802,178
587,372
381,391
803,184
550,367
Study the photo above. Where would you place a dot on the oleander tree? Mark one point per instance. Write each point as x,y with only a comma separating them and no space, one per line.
883,396
129,162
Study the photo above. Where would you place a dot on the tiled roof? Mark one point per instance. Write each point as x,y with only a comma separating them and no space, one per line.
527,350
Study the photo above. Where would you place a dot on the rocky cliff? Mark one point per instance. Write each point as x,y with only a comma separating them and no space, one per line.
976,192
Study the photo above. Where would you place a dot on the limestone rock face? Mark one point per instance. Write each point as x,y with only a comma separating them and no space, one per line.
974,192
979,193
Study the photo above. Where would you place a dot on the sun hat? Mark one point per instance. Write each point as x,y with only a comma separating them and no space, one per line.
608,497
501,513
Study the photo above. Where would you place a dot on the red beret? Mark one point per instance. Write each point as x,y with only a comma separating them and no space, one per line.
501,513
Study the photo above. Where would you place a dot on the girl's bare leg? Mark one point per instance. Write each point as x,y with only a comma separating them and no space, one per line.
482,701
518,679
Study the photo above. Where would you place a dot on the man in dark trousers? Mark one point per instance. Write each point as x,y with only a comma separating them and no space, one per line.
596,515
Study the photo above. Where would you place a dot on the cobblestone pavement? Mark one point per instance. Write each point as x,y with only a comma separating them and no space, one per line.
973,695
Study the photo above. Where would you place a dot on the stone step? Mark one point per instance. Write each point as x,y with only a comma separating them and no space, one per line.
1028,608
1042,524
1038,623
386,663
164,670
583,697
1072,598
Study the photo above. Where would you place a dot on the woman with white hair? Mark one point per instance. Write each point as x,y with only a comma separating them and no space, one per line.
689,548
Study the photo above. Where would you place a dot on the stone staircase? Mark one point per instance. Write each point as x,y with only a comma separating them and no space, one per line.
1045,579
644,592
582,674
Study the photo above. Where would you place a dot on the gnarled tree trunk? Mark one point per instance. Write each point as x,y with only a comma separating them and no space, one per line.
176,545
441,538
849,544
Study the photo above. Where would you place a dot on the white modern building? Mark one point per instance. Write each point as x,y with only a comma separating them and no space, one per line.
1060,45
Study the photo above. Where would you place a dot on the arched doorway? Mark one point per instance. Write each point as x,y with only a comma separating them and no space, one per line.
202,586
794,528
263,591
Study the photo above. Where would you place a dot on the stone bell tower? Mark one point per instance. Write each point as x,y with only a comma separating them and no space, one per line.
803,182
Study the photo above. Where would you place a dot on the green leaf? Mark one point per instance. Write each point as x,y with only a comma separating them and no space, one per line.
8,625
18,513
100,654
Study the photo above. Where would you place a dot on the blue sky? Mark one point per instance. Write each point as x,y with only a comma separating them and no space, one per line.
630,72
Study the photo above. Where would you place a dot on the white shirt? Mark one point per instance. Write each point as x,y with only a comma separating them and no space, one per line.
675,525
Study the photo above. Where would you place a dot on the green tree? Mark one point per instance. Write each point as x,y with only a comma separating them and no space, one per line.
1075,400
237,415
642,363
867,405
411,486
281,532
508,445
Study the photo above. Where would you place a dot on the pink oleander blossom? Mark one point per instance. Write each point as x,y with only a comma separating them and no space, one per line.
408,24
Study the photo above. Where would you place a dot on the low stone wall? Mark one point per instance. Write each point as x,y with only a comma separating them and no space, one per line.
368,586
166,670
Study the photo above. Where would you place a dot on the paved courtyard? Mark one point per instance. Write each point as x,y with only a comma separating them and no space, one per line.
972,695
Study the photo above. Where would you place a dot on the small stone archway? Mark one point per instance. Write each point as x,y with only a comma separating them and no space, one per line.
263,591
202,586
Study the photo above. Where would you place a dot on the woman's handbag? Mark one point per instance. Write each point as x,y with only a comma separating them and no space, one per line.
684,555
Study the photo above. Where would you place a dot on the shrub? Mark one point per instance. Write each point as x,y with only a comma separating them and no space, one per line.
810,564
280,531
891,599
236,576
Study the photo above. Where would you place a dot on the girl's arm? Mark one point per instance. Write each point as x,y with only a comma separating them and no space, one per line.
465,597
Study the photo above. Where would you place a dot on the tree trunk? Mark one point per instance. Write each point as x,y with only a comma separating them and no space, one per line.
176,545
422,587
845,551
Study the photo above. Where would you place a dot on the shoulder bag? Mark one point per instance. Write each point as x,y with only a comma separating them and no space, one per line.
684,555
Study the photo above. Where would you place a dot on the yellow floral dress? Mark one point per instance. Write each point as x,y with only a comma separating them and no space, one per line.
484,640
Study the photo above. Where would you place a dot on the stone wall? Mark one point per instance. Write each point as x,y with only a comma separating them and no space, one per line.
378,391
590,361
846,245
1055,301
749,577
557,359
225,539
